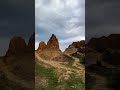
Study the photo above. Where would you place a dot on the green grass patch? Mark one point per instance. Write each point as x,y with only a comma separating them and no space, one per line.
48,73
6,84
82,59
73,83
71,61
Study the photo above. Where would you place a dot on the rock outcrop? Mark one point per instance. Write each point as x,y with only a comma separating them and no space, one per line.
31,43
102,43
79,44
70,50
19,58
111,56
42,46
76,47
53,43
49,51
17,45
104,49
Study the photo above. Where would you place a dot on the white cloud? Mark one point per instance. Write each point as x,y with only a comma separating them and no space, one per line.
64,18
36,45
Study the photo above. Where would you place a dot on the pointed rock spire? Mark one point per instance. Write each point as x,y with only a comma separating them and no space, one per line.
17,45
42,46
31,43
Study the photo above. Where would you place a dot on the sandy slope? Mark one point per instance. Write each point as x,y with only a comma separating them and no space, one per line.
100,84
14,78
55,64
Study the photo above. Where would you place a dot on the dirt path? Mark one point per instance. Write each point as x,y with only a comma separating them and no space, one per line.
100,84
76,62
14,78
60,66
52,63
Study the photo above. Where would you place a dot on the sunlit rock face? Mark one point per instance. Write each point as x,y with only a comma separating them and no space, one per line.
76,47
42,46
53,43
50,50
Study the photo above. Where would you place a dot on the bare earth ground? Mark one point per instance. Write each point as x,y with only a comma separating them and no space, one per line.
100,82
14,78
63,71
80,71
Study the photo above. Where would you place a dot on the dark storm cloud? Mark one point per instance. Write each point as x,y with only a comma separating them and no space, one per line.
16,19
102,17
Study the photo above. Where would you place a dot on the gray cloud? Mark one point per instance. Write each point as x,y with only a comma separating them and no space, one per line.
102,17
16,19
64,18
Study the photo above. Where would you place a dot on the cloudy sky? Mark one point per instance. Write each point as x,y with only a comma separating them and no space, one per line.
64,18
16,19
102,18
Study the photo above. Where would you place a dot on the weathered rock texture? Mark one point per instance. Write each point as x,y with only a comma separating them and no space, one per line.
20,57
76,47
53,43
107,47
42,46
31,43
102,43
17,45
49,51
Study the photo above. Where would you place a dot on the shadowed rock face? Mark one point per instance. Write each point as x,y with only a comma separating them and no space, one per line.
20,57
100,44
108,49
111,56
31,43
79,44
53,43
17,45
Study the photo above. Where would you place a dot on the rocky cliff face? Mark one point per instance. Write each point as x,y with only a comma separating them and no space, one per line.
42,46
79,44
50,50
104,49
19,58
76,47
102,43
53,43
17,45
31,43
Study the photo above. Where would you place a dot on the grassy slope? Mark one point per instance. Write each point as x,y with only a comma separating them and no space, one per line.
73,83
6,84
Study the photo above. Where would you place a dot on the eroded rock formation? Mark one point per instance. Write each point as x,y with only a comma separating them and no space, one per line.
50,50
102,43
53,43
17,45
76,47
